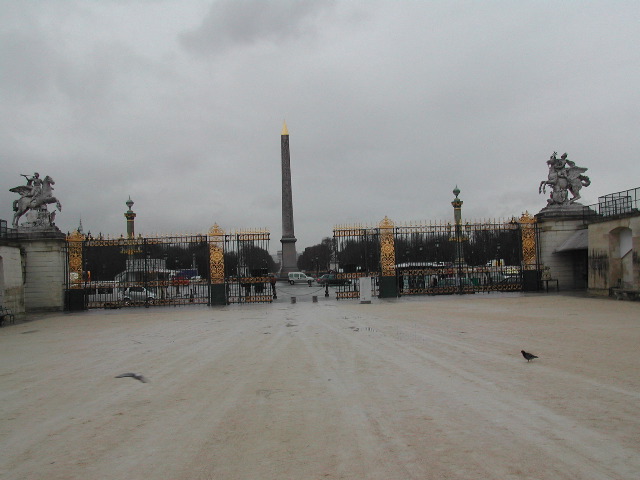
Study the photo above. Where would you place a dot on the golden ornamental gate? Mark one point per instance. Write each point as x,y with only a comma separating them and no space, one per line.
169,270
439,258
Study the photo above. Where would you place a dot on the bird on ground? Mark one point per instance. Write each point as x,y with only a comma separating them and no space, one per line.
528,356
137,376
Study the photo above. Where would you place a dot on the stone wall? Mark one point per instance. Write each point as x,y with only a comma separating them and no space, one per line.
613,254
11,279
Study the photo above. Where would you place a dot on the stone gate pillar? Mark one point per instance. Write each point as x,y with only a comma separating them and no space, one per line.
74,246
74,294
531,274
566,263
388,281
46,270
217,289
562,226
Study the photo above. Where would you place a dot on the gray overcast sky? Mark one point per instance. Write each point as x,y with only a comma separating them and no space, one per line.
389,105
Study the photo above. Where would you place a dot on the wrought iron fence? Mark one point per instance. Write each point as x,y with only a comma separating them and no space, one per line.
169,270
441,258
247,265
140,271
473,257
357,254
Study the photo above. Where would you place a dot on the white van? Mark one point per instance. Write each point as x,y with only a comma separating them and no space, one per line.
299,277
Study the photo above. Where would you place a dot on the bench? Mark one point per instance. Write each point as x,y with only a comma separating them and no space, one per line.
547,281
622,293
6,314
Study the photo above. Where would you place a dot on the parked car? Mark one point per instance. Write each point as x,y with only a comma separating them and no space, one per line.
455,282
299,277
332,279
138,294
514,280
103,294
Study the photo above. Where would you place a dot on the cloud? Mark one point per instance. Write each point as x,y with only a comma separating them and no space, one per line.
389,106
241,23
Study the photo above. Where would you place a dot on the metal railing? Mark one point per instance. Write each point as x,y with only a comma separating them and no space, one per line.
618,204
7,232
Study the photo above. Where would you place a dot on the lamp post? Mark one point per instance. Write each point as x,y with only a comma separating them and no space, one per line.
458,238
176,279
146,278
165,278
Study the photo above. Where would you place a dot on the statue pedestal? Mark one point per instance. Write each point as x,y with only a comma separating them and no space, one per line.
45,267
572,210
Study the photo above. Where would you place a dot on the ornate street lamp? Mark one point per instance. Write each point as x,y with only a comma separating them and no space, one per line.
458,238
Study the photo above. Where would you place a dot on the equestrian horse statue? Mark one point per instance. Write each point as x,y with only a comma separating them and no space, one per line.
35,196
563,177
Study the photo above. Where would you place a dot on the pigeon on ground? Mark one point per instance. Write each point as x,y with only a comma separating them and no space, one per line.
137,376
528,356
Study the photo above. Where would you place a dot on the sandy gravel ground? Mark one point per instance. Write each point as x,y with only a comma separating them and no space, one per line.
428,388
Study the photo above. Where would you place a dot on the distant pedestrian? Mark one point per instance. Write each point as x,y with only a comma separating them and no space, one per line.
273,280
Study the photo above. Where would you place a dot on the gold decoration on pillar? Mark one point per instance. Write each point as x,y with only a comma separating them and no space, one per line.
529,250
387,248
74,242
216,254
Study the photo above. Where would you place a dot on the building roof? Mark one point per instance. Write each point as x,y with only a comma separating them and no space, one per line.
579,240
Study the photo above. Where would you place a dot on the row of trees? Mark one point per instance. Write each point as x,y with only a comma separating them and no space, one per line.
249,259
317,258
347,253
480,247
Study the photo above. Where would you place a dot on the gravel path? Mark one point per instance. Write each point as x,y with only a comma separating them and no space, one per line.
421,388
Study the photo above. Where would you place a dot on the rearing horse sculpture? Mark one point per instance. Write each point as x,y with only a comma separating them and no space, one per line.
28,201
564,177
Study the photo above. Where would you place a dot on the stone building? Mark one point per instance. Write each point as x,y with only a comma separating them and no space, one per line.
593,247
614,243
12,270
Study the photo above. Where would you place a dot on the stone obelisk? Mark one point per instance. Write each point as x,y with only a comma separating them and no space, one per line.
289,256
